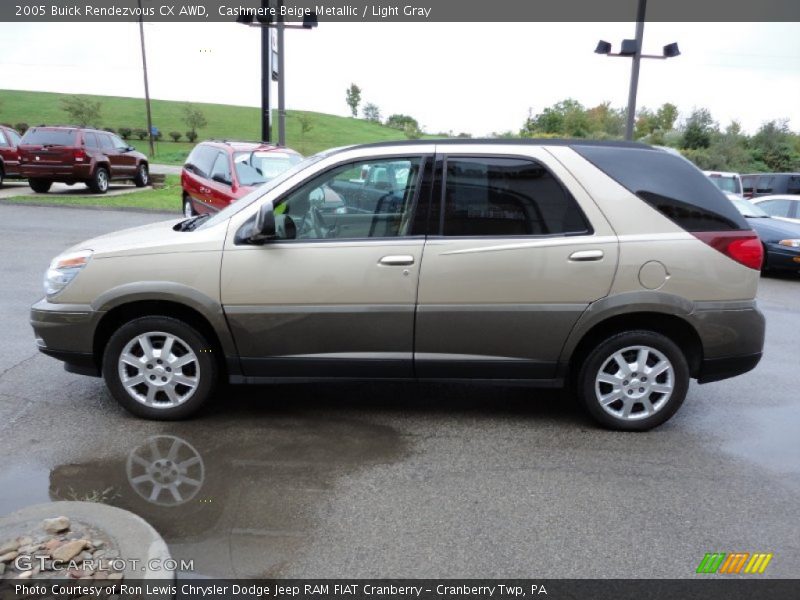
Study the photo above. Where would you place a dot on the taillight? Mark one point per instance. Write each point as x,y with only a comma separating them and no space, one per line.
742,246
79,155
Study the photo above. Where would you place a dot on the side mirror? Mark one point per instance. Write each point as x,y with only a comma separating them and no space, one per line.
129,149
264,227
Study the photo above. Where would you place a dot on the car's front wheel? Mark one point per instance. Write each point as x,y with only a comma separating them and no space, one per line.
142,177
160,368
633,381
188,209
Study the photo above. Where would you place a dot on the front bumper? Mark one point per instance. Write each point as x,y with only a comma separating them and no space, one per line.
66,332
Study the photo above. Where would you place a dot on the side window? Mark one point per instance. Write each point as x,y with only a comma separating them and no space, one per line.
3,138
748,183
90,140
764,185
506,196
118,143
221,171
15,138
356,200
105,141
776,208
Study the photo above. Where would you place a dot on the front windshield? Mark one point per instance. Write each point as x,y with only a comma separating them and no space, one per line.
245,201
748,209
255,168
726,184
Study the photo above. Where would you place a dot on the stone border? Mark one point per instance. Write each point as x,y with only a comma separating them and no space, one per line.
134,537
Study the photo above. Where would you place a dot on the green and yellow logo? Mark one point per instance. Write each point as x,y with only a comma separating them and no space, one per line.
734,563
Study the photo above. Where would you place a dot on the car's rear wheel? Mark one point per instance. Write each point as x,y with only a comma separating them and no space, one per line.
633,381
160,368
188,209
40,186
99,181
2,175
142,176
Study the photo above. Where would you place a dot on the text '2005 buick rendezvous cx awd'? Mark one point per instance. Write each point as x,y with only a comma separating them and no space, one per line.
614,269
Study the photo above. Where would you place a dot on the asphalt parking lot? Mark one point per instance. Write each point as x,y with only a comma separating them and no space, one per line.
397,480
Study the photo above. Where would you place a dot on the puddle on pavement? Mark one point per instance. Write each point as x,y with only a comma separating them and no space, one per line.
239,496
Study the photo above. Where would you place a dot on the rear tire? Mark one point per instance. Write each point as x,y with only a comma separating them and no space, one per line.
2,175
99,181
40,186
633,381
160,368
142,176
188,209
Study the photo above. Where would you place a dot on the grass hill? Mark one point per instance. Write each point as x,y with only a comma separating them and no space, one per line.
224,121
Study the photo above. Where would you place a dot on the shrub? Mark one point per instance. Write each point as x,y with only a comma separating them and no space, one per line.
140,133
110,130
191,136
175,135
125,132
21,127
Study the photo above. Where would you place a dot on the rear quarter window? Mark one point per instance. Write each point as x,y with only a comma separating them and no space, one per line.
670,184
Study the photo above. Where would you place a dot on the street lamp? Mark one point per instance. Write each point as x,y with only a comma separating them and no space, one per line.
633,49
264,21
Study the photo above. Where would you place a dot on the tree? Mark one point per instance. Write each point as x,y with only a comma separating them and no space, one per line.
567,117
194,119
372,112
81,110
21,127
353,98
773,146
412,131
191,136
698,129
125,132
306,125
398,121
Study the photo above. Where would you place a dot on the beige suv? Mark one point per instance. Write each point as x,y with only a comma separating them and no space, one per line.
614,269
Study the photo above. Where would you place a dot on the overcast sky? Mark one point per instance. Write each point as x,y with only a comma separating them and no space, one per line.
469,77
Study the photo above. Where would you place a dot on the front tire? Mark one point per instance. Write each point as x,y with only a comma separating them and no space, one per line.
99,181
142,176
633,381
40,186
188,209
160,368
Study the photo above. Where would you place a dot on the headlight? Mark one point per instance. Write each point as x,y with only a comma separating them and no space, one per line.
63,269
790,243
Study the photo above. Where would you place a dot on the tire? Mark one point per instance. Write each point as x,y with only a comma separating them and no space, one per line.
2,175
142,176
157,390
188,209
99,181
40,186
634,401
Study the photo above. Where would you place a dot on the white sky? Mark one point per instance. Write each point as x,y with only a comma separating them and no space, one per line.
469,77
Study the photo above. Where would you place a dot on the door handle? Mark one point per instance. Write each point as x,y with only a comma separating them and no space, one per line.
586,255
398,260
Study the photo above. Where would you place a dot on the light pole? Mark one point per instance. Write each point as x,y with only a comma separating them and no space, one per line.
265,22
633,49
146,86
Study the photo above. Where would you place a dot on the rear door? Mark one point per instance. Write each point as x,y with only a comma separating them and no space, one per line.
8,153
218,193
520,252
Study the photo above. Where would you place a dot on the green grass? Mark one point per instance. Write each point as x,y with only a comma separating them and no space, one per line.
167,198
224,121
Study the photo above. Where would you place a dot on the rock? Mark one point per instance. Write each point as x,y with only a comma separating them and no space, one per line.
52,544
25,540
7,547
9,556
99,553
115,576
29,549
101,575
112,554
98,544
69,550
25,575
56,525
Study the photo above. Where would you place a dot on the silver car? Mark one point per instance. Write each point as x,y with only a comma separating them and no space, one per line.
616,270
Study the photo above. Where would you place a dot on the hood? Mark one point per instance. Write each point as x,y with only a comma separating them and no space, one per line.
774,230
156,238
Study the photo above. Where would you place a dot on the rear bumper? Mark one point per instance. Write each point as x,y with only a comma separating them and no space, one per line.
66,332
55,172
716,369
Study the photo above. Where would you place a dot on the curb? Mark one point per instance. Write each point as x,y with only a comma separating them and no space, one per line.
135,537
149,211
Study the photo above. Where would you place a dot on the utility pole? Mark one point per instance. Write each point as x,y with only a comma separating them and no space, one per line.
637,57
146,86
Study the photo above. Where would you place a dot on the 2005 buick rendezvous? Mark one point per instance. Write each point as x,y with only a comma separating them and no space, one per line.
617,269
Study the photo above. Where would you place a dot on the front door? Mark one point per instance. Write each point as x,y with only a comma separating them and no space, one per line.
521,252
335,296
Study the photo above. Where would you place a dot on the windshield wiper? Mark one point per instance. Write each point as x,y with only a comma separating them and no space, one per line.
191,224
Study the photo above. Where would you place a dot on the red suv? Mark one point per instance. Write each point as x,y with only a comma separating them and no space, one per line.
72,154
9,156
218,172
